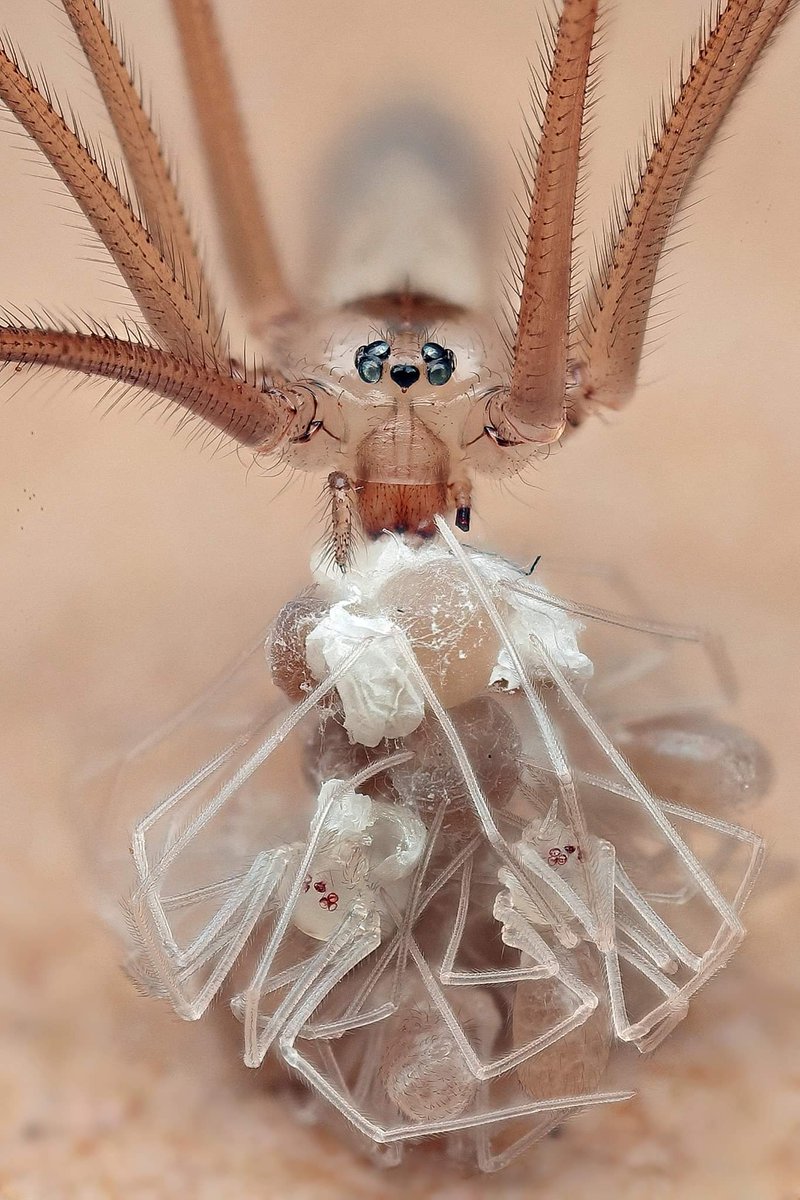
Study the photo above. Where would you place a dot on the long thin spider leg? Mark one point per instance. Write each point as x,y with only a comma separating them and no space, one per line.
614,310
534,408
255,415
251,253
161,207
169,311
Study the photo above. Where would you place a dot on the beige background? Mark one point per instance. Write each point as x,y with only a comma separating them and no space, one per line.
134,566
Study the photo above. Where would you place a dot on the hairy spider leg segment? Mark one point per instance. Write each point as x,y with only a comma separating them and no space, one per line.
161,208
167,308
258,416
604,355
158,263
249,247
614,307
532,408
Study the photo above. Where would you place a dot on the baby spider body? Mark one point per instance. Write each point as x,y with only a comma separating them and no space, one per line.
465,899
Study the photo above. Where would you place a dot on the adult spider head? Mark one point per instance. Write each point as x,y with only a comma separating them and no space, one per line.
402,386
400,397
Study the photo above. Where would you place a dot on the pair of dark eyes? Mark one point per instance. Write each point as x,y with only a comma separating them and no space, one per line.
439,363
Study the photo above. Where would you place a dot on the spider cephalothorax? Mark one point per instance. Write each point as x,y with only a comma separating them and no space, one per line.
400,410
401,398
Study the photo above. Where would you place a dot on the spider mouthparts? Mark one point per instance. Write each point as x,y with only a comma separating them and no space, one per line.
462,518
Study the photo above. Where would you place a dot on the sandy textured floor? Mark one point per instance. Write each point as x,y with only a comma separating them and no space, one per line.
134,567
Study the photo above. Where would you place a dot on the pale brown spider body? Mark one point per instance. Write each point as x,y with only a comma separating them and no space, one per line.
401,433
408,446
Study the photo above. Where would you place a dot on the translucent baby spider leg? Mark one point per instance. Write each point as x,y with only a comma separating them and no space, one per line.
390,949
614,308
731,930
356,938
636,935
664,1017
491,1161
258,1036
732,832
593,914
160,957
155,189
586,1002
341,1097
220,939
365,1076
614,675
406,920
531,409
231,785
353,1014
324,1031
546,964
149,912
710,643
187,713
249,247
656,925
173,964
642,795
536,867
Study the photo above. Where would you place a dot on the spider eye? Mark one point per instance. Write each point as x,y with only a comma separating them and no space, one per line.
370,370
369,361
441,363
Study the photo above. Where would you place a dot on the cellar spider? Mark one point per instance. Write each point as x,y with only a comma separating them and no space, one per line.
414,397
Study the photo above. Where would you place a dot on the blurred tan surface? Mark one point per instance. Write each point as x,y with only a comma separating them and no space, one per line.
134,566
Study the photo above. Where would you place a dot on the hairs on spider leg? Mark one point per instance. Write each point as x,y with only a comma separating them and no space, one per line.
268,466
274,470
